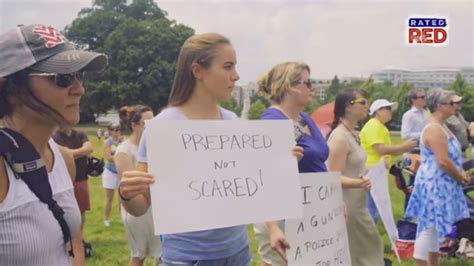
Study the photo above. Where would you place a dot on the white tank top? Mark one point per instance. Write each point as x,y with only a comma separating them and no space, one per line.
29,233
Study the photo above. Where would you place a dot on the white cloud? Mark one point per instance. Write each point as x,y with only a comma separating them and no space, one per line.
57,13
333,37
347,37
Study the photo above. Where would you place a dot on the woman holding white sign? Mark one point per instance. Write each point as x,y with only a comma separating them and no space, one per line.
437,200
288,87
141,237
206,74
347,156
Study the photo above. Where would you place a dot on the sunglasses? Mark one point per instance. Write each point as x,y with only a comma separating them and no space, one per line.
63,81
307,83
387,108
449,103
419,97
361,101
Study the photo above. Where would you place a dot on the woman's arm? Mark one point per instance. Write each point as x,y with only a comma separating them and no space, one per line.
123,162
107,152
278,240
436,139
69,160
78,248
471,129
406,146
3,180
135,190
85,150
338,152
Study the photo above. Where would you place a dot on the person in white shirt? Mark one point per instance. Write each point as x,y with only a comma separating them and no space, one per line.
414,119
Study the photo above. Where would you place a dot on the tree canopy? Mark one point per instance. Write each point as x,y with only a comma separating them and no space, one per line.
142,45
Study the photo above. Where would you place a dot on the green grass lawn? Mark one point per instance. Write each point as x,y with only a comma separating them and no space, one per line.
110,244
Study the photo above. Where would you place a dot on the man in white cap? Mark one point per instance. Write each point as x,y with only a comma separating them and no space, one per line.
375,140
458,125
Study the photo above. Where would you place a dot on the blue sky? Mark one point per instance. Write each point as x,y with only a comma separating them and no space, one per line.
347,38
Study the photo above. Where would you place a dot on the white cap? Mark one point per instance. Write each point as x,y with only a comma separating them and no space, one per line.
380,103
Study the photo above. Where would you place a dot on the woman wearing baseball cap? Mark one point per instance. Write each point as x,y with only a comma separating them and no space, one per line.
41,86
375,140
437,200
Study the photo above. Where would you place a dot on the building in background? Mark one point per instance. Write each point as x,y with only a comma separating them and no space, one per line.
424,78
112,116
241,92
320,86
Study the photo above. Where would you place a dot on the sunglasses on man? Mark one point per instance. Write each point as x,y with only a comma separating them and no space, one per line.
63,81
419,97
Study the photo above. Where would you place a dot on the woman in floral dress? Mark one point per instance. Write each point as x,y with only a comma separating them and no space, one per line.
437,200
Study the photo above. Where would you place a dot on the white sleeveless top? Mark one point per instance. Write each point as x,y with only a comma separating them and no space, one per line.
29,233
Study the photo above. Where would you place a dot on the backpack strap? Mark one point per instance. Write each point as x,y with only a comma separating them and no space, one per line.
27,165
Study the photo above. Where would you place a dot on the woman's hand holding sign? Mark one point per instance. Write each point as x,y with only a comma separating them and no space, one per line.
297,151
134,191
278,240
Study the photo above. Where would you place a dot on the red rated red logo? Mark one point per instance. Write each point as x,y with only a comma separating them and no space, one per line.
427,30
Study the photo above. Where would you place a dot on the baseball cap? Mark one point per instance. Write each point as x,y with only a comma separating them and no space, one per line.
380,103
44,49
457,98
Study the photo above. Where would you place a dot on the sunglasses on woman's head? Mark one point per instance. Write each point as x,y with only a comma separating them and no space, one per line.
62,80
361,101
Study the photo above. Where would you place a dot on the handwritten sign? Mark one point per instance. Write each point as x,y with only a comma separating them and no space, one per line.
320,237
215,174
378,176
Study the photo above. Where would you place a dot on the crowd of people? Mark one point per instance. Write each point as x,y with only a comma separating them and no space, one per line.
40,89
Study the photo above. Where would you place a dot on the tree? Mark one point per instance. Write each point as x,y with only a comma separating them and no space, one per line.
461,88
142,45
369,86
255,110
258,97
400,97
309,109
233,106
333,89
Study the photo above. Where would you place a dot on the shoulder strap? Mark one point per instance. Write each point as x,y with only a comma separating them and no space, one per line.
27,165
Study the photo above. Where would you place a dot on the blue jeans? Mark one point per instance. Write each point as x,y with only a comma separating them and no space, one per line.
242,258
372,208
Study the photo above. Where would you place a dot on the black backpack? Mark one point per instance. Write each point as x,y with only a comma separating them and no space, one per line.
27,165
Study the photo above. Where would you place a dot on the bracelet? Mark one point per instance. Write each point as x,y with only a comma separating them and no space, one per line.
121,196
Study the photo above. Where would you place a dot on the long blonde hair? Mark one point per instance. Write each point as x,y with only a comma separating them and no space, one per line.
200,49
274,83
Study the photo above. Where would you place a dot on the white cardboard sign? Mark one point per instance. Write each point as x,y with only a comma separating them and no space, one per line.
320,237
378,176
215,174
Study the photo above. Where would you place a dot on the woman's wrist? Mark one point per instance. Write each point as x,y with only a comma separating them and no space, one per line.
122,197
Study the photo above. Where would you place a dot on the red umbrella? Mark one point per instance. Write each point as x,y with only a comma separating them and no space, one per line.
323,117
